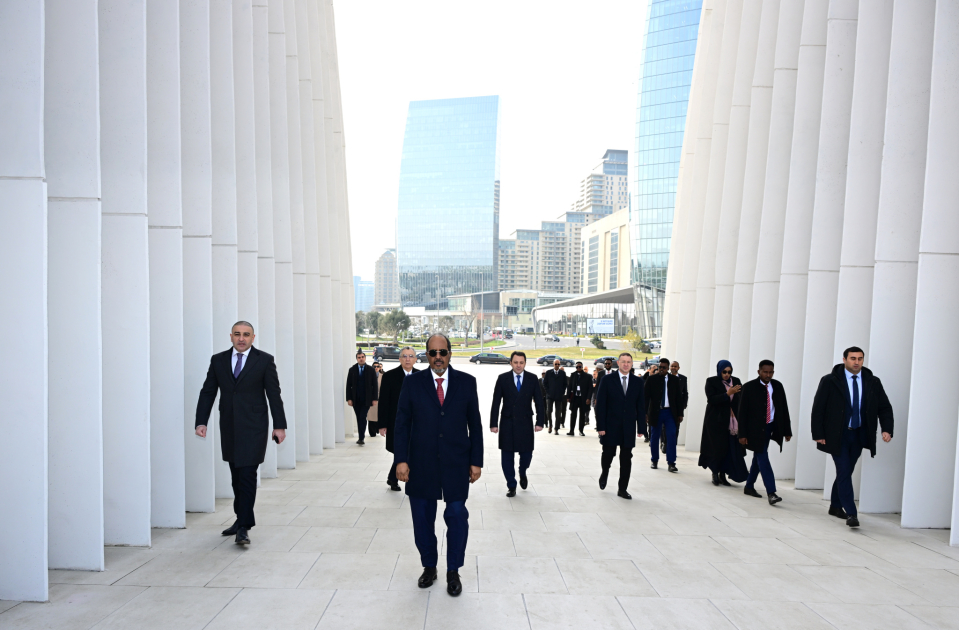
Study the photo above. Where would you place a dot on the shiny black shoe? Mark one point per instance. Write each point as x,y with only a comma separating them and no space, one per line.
646,439
231,530
774,498
241,536
429,576
453,585
723,481
654,465
672,468
523,481
360,442
511,492
715,479
852,521
602,479
624,494
838,512
582,434
395,487
751,492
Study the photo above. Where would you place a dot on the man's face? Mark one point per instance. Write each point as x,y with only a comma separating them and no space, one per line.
663,367
438,363
556,364
625,364
242,337
608,364
361,359
766,374
579,367
518,364
407,359
653,370
674,368
853,362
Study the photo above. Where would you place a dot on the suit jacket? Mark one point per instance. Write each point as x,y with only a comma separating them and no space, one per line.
515,422
620,414
752,415
685,387
439,443
354,383
584,395
654,397
556,385
832,408
389,398
244,422
714,442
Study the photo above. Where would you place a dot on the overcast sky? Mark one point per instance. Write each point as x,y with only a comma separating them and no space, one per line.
566,74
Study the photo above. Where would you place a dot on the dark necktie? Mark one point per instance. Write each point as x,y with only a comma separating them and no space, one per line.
519,383
239,366
624,384
855,421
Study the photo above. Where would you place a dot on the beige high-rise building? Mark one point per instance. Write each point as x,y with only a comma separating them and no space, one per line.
605,190
606,253
386,280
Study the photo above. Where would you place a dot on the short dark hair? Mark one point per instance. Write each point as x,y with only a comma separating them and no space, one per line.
765,362
664,360
243,323
579,363
625,354
517,353
359,352
449,345
845,353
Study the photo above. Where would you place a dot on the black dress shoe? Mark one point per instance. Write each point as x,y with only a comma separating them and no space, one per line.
852,521
654,465
715,479
429,576
511,492
241,536
838,512
774,498
672,468
583,434
360,442
646,439
395,487
723,481
571,433
231,530
751,492
453,585
624,494
523,481
602,479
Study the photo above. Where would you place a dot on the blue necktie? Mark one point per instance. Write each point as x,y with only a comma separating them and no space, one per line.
855,421
239,366
519,383
361,370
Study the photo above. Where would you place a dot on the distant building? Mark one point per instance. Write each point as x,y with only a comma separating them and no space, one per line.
448,207
386,280
606,189
606,253
362,294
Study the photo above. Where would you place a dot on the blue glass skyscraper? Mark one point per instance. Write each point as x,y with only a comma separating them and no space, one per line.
666,72
447,229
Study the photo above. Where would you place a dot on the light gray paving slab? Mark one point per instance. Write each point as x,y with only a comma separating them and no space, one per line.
859,585
650,613
119,562
678,548
942,617
690,581
549,545
773,582
184,608
495,610
269,569
179,568
328,517
71,607
575,612
513,520
365,571
573,522
335,540
762,550
868,617
519,575
771,615
616,577
279,609
396,610
935,585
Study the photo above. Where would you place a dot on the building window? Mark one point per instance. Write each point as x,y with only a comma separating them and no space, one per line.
613,259
593,265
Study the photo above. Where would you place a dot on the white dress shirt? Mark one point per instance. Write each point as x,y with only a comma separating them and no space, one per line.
772,406
408,372
514,375
625,383
446,381
849,376
666,389
246,355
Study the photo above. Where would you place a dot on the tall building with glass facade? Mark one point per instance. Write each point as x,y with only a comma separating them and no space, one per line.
666,72
448,216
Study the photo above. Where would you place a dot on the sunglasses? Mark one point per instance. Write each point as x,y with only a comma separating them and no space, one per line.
727,371
443,352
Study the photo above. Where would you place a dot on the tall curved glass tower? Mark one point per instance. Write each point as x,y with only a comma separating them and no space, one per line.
666,72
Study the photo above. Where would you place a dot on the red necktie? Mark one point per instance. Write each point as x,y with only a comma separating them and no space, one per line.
439,391
768,407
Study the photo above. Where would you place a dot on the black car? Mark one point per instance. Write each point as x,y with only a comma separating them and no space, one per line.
602,360
549,358
489,357
422,357
381,353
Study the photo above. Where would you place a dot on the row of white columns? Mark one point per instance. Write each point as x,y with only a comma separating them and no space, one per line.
167,169
816,211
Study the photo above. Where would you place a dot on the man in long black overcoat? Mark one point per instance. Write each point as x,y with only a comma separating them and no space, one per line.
518,391
620,414
390,388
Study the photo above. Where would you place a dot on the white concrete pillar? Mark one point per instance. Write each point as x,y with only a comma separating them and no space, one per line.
702,330
756,296
125,280
862,190
247,241
301,376
745,228
756,13
23,280
791,309
165,218
71,136
266,266
197,184
926,411
225,262
282,234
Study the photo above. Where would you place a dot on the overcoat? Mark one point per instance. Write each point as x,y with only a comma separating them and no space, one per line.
617,413
714,443
389,393
556,385
515,420
244,422
438,442
752,415
368,382
654,396
832,408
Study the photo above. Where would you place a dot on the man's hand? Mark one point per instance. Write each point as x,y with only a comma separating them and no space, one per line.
639,435
789,437
349,402
538,427
494,429
382,432
475,472
679,420
402,472
280,435
201,431
374,402
823,442
601,432
743,441
886,436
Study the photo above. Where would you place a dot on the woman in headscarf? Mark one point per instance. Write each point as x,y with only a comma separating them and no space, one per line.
720,450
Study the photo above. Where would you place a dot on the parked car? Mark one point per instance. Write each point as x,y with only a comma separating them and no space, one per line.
489,357
551,338
422,357
381,353
549,358
508,335
600,361
653,346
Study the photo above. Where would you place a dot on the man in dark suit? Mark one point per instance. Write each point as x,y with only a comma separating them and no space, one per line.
579,393
361,392
849,406
763,417
619,419
674,371
438,450
519,392
390,389
556,382
245,378
664,412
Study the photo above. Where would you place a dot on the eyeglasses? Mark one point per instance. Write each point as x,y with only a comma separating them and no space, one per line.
442,352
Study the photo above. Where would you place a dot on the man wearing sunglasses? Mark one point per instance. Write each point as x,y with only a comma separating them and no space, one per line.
438,450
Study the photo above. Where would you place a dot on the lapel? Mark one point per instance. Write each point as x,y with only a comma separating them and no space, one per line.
451,383
251,359
430,384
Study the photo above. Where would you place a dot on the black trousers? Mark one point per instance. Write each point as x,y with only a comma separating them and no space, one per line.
244,494
581,406
391,476
557,408
361,409
625,462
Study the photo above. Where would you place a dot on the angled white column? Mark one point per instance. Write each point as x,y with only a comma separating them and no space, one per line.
745,230
71,136
791,309
266,267
301,376
246,167
702,330
23,276
756,13
282,234
165,219
921,455
758,294
125,277
225,269
862,193
197,184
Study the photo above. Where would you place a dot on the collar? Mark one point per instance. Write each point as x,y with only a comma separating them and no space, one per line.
620,373
245,353
444,375
409,372
520,374
849,374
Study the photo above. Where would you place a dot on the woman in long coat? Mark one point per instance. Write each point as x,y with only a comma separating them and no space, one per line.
720,450
372,415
